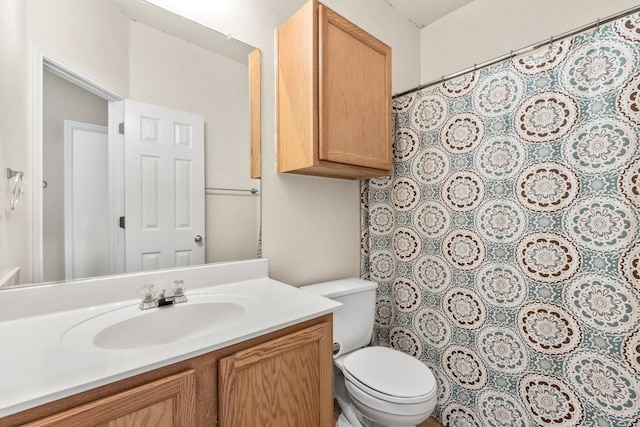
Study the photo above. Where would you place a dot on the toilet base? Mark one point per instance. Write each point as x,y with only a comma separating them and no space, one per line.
355,414
344,422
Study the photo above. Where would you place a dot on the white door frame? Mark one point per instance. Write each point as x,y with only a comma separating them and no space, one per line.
42,61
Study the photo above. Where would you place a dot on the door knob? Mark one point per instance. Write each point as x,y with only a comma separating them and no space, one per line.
198,239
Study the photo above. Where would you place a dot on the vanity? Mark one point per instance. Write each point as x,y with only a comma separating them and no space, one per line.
243,350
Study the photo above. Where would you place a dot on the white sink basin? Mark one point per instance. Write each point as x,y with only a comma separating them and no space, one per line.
130,328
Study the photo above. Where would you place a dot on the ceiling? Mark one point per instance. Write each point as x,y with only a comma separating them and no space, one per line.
424,12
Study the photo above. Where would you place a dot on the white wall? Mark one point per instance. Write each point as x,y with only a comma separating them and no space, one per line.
15,225
100,53
311,226
486,29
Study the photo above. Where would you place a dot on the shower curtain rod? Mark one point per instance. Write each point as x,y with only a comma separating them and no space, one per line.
512,54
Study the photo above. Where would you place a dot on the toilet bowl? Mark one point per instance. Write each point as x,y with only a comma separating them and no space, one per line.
374,386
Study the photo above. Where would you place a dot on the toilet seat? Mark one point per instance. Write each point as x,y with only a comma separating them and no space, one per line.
389,375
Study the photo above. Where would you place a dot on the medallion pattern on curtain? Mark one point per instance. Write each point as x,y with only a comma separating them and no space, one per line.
507,244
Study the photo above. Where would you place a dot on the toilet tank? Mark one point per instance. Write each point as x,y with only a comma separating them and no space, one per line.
353,322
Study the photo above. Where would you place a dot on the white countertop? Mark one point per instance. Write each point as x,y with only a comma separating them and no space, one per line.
36,367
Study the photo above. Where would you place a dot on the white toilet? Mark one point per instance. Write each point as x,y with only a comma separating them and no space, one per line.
375,386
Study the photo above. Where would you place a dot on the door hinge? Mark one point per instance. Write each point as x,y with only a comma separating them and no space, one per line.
121,221
121,128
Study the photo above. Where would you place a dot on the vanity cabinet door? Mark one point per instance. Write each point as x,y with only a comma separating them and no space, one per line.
283,382
333,97
166,402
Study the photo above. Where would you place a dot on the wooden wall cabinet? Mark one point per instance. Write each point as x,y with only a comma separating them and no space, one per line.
333,97
282,378
254,64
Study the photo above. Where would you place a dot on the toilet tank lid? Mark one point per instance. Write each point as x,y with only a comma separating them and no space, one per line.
337,288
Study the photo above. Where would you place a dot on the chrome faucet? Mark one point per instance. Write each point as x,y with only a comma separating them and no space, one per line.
150,299
164,300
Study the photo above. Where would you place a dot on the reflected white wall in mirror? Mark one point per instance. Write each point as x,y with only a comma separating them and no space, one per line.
99,40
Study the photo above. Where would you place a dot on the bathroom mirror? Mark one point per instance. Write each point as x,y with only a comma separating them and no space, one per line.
90,59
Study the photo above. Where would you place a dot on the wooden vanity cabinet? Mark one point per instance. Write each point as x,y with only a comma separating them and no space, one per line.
166,402
333,97
278,383
282,378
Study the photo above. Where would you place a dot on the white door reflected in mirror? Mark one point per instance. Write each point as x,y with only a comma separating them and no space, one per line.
164,182
87,228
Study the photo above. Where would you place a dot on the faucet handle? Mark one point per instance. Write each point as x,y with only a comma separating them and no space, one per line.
148,293
179,287
178,291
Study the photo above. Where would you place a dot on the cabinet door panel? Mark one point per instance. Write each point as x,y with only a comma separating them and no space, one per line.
160,414
284,382
167,402
355,95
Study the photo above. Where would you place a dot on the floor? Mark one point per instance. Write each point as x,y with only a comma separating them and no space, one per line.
431,422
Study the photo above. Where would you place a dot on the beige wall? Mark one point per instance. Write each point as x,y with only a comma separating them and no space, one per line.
311,226
487,29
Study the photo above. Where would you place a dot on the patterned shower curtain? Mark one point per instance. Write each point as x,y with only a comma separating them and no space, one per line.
507,242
